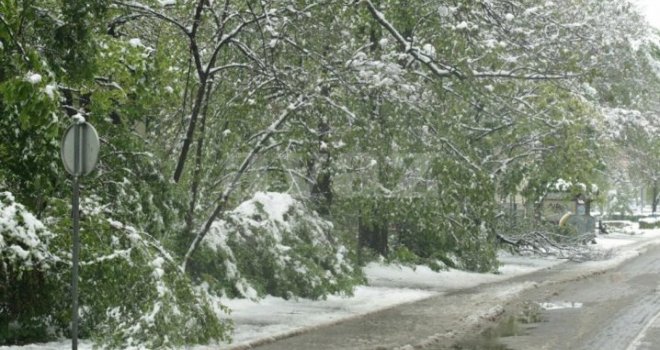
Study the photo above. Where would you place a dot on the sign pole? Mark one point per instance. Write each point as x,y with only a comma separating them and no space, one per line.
74,257
79,151
75,213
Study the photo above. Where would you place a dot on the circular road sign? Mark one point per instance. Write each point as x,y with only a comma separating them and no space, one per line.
80,149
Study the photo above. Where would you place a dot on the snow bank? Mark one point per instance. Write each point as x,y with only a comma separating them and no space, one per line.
274,317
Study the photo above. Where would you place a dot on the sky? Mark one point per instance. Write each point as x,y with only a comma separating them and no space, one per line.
651,9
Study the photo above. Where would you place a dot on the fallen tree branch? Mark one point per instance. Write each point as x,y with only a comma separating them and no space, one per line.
571,247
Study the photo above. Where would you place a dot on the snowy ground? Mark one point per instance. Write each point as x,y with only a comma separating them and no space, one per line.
272,318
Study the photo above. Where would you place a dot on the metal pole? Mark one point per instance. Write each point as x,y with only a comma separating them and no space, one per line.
75,213
74,257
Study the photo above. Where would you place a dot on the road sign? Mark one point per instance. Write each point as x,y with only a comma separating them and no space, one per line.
80,149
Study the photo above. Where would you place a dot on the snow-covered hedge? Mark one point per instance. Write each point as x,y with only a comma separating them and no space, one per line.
137,296
271,244
132,291
26,302
24,240
649,223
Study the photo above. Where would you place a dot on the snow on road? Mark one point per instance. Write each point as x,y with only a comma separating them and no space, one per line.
389,285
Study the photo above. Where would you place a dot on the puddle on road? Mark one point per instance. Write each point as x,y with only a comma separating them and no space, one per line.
511,326
518,324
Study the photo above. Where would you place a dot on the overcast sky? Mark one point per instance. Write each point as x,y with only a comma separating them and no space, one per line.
651,8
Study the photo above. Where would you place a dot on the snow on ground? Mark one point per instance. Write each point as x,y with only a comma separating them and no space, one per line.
622,247
57,345
275,317
390,285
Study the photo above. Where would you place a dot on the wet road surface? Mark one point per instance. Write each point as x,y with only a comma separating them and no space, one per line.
565,307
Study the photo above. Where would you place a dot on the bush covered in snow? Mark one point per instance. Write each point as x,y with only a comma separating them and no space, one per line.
132,291
25,240
28,291
137,296
271,244
619,200
649,223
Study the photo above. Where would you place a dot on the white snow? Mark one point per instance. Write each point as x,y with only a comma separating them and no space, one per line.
429,50
33,78
135,42
560,305
383,42
462,25
654,220
391,285
78,118
276,317
56,345
23,238
50,90
274,204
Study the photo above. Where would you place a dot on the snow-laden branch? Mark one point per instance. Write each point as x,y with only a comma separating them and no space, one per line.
227,66
117,254
440,70
13,39
460,154
504,163
149,11
351,116
231,187
227,38
531,76
107,82
249,53
298,174
415,52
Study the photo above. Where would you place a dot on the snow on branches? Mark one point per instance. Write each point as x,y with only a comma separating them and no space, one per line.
24,240
271,244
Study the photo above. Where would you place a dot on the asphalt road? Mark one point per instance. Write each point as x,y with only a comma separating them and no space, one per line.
565,307
618,309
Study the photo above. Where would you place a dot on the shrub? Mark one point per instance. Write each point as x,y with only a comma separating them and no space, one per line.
649,223
132,291
271,244
28,291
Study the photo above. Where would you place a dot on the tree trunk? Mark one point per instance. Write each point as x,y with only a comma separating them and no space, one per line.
374,234
187,141
321,191
194,187
654,200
